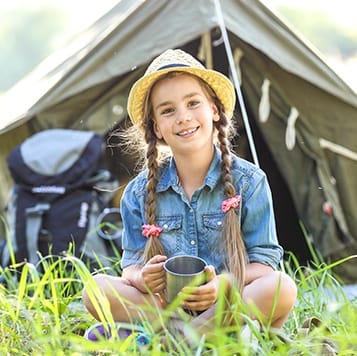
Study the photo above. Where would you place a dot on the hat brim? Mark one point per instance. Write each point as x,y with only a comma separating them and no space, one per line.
221,85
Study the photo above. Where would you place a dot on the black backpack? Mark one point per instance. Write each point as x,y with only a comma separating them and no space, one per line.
61,198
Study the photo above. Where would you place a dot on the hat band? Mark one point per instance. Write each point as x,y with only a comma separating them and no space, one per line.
173,65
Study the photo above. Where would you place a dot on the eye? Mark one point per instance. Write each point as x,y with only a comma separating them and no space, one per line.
193,103
166,111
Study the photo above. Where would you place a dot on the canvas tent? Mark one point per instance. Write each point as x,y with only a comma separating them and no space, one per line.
302,116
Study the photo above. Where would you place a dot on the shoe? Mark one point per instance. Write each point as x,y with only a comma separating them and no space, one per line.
99,332
249,333
180,328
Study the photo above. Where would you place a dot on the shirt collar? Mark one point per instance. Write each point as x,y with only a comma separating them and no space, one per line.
169,178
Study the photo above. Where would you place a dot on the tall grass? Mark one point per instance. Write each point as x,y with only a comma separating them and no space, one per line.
41,313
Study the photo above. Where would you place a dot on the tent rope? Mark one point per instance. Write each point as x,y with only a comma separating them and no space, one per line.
235,80
338,149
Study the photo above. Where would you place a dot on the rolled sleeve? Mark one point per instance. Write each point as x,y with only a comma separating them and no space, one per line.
133,216
266,255
258,223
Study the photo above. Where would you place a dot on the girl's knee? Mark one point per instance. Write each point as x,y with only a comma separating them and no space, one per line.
274,294
277,286
98,286
286,288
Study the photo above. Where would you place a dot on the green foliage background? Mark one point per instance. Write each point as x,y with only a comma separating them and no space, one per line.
27,36
328,36
29,33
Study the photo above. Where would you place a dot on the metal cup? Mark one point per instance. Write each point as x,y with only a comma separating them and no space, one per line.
182,271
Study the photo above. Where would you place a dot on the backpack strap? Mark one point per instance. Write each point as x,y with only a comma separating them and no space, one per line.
34,216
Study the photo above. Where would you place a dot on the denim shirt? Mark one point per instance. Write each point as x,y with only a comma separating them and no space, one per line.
194,227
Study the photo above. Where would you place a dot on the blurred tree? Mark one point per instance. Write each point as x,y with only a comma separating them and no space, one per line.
27,35
322,31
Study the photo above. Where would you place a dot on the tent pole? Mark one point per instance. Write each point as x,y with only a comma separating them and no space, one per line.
238,88
235,80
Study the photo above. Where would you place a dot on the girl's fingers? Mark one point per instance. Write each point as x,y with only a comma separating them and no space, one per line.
197,301
158,287
154,280
197,305
153,270
210,273
157,259
154,266
194,298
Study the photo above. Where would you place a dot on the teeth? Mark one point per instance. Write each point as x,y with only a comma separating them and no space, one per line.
183,133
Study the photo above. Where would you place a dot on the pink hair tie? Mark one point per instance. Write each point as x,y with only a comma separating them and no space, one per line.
151,230
229,203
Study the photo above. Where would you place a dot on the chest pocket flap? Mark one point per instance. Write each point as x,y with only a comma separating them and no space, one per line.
170,223
213,221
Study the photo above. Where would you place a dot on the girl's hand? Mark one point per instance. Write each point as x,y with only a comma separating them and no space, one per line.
202,297
153,275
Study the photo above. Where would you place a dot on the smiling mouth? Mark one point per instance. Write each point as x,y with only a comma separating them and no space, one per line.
187,132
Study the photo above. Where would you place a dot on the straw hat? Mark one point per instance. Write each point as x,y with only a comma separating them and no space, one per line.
178,60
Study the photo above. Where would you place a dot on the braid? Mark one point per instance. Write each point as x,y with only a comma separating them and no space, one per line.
153,246
151,182
231,234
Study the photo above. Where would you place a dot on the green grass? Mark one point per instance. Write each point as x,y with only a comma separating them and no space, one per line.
42,314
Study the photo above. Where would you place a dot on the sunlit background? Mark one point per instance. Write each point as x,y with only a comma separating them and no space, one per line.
31,29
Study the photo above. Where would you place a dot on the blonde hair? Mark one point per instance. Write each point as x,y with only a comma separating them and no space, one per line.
231,233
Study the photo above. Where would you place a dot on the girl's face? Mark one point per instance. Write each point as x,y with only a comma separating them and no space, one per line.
183,114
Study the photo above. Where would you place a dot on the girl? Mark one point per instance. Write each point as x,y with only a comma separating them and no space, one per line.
200,200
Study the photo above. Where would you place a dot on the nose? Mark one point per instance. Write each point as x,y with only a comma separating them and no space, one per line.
183,115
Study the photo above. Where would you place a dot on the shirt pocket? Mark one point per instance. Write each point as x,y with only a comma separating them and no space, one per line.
212,230
171,235
213,222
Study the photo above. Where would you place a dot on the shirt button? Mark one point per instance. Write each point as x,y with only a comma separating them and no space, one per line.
219,223
193,242
191,210
165,226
